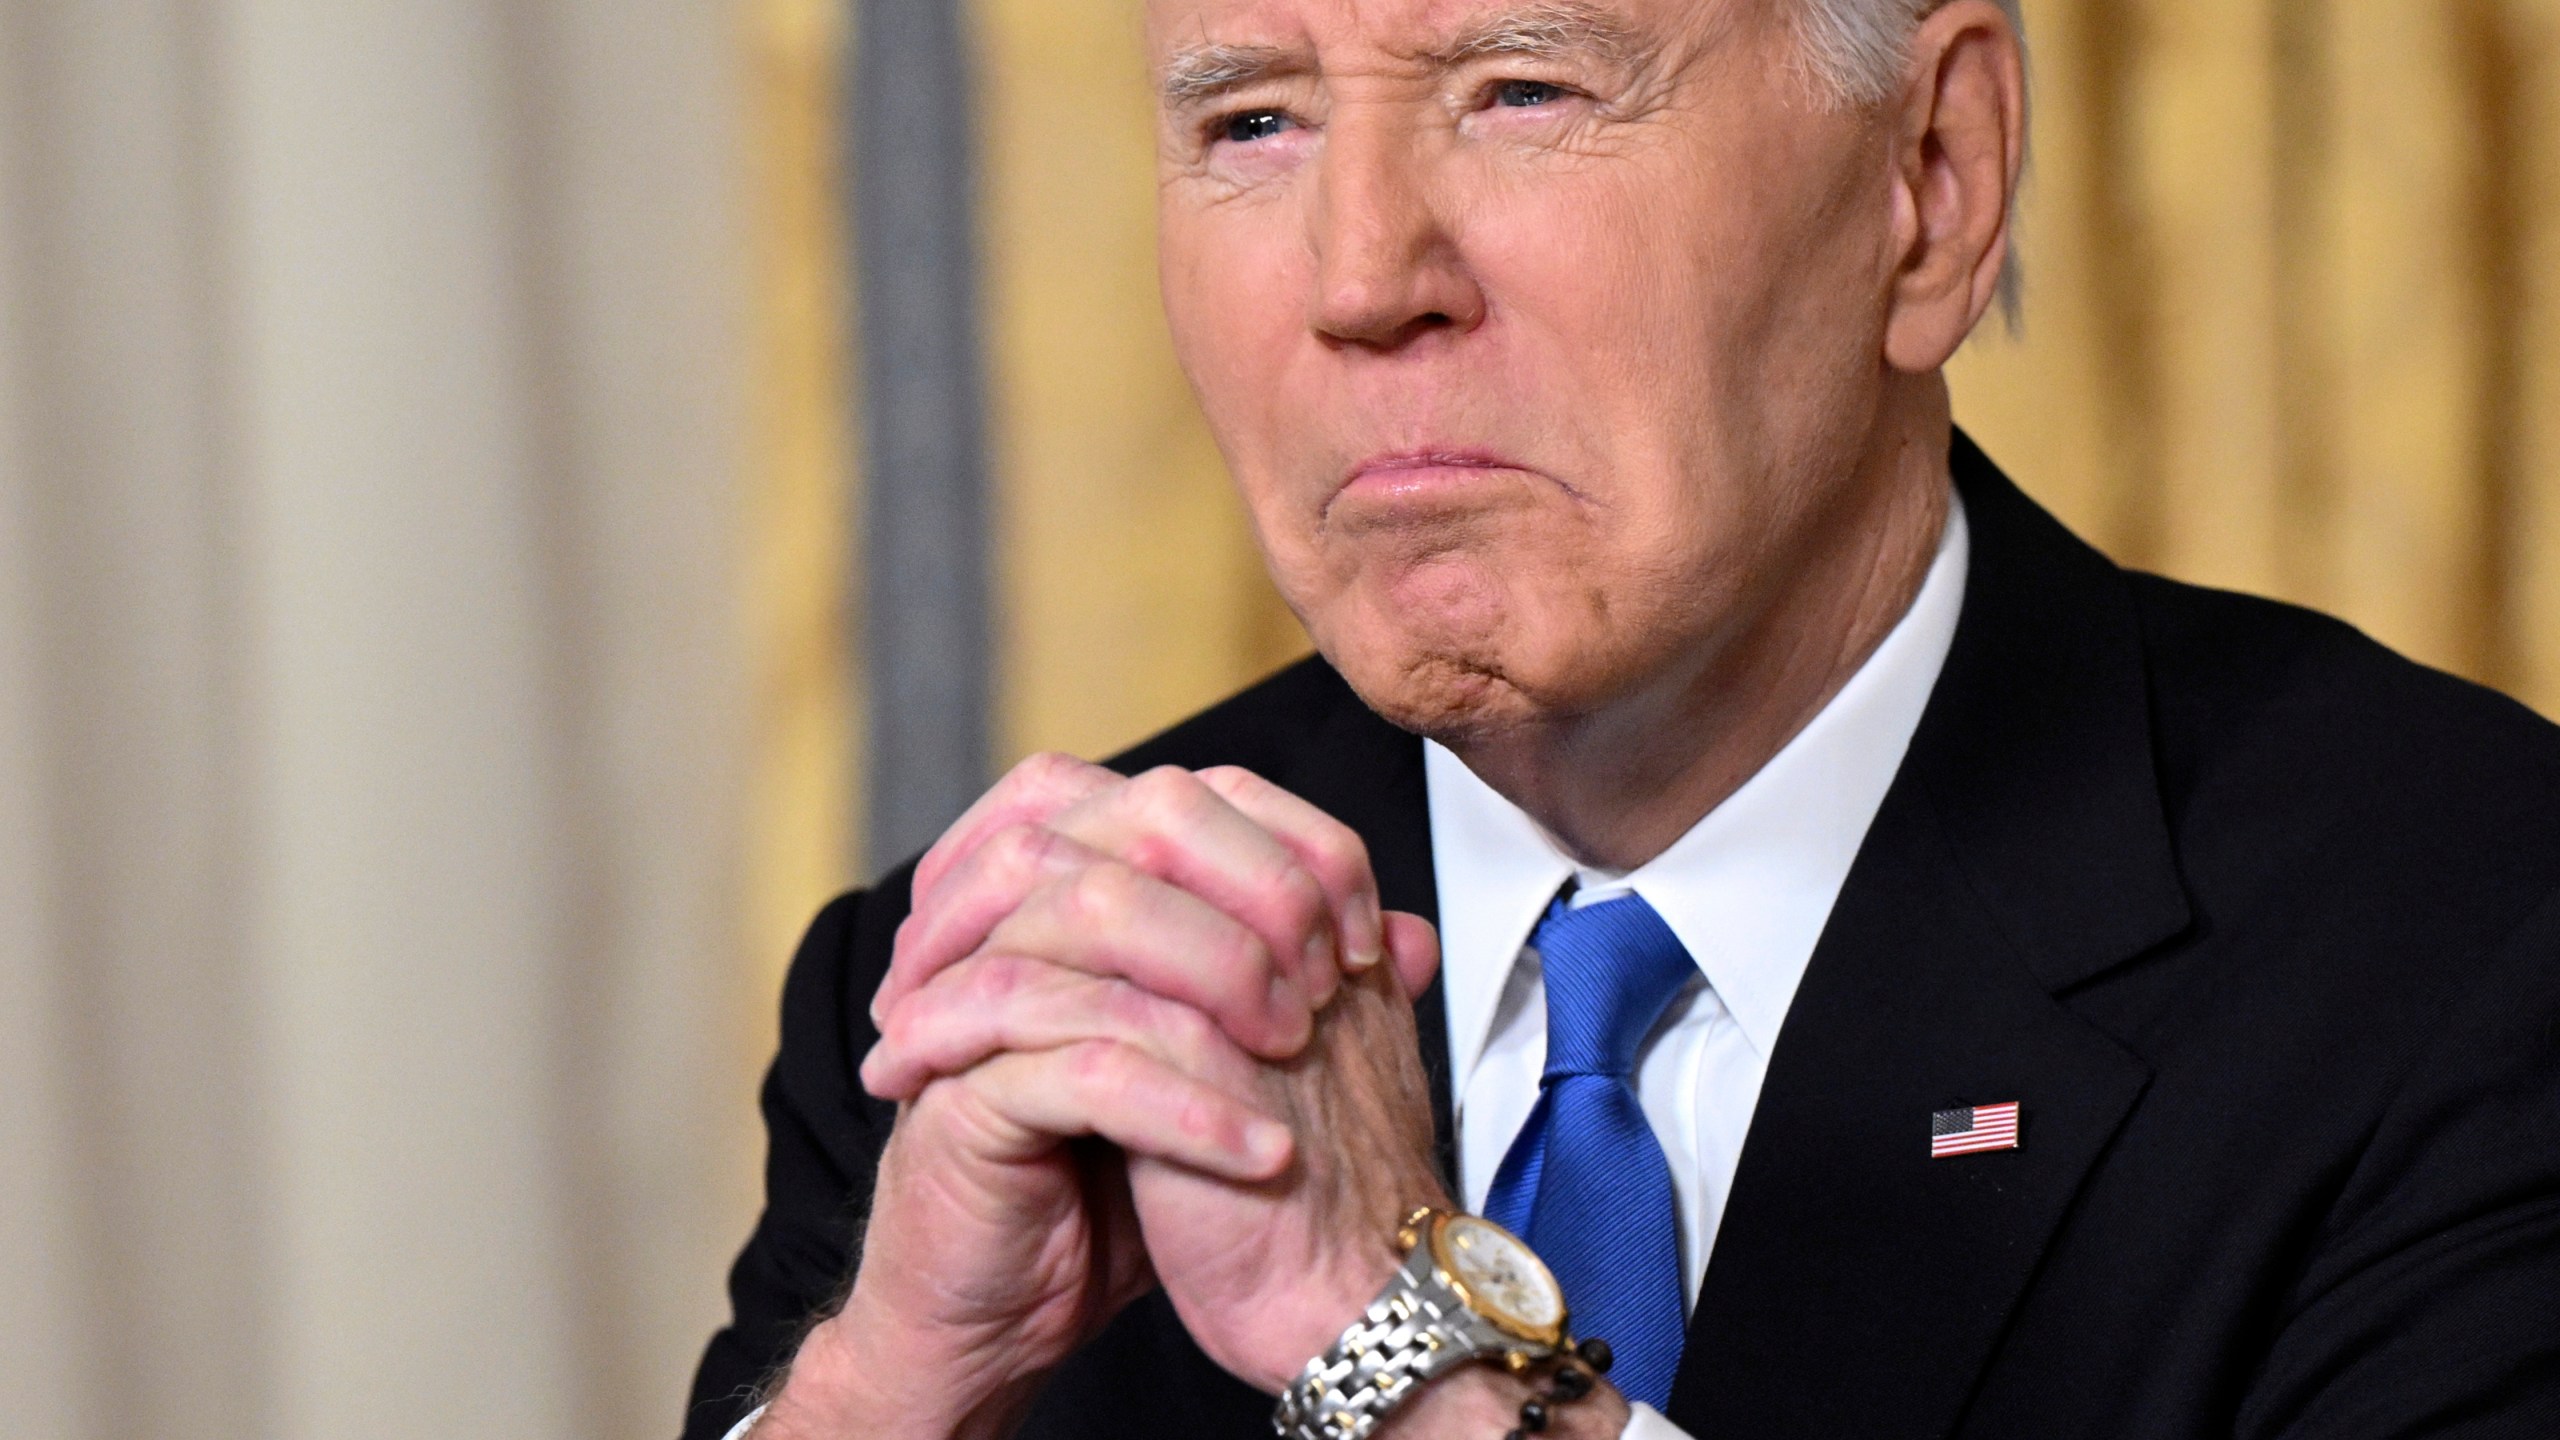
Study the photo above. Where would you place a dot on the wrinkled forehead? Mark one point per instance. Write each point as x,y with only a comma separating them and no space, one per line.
1190,40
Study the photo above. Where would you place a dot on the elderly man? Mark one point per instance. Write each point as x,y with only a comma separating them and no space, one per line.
1739,883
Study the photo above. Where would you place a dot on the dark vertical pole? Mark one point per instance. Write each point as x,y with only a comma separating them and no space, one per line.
925,522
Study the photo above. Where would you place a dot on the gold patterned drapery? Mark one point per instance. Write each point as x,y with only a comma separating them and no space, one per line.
2293,326
806,743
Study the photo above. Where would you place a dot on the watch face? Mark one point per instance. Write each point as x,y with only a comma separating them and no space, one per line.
1504,1278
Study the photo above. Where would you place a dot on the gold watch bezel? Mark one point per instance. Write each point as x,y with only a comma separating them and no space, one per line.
1436,1236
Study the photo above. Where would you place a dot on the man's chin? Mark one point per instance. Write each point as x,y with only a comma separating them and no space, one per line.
1455,699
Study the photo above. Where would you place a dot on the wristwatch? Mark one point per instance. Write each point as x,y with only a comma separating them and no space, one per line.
1468,1290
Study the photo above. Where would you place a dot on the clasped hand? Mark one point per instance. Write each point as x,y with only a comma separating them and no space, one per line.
1142,1031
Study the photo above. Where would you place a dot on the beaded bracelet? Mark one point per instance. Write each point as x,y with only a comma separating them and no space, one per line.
1571,1383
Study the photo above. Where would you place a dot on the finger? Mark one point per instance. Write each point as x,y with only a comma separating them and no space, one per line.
1415,948
1169,824
1112,920
1029,794
1129,1098
989,1004
993,880
1330,850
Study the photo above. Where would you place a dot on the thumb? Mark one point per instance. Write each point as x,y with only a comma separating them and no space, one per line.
1414,948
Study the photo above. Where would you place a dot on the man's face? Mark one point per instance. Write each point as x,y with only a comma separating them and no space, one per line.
1543,340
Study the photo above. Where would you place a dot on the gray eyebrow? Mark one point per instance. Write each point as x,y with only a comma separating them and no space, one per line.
1553,29
1210,70
1548,29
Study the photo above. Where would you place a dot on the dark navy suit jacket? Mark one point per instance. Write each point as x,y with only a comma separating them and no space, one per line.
2259,923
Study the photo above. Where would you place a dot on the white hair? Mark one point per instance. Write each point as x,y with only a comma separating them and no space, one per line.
1856,50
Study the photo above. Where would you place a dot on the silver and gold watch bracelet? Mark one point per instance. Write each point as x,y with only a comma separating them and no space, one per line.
1394,1346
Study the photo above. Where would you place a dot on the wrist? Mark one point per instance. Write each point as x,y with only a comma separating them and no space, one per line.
853,1378
1335,1300
1328,1308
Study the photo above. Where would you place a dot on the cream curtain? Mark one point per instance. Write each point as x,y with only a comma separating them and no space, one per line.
374,1044
2293,326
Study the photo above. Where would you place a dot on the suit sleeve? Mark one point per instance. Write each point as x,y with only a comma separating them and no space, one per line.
823,1138
2431,1304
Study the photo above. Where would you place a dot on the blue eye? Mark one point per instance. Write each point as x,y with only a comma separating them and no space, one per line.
1519,93
1248,126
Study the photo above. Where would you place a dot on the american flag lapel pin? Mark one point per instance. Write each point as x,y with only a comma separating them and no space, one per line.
1972,1128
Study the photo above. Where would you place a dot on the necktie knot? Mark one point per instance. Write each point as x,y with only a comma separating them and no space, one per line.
1610,971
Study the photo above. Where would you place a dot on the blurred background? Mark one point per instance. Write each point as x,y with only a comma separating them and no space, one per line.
446,451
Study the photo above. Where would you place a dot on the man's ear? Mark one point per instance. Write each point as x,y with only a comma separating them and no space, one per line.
1960,146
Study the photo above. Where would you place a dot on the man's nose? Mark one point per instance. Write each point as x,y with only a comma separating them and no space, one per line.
1388,268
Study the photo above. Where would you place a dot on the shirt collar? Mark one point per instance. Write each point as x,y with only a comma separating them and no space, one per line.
1748,889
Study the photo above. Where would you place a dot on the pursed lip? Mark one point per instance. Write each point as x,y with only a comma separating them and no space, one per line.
1418,472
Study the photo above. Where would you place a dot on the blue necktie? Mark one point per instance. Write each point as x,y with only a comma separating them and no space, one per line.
1586,1184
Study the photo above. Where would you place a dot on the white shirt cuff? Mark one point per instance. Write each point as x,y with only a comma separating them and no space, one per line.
1646,1423
739,1430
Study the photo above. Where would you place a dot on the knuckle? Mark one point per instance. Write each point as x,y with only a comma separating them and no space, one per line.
909,1024
1018,850
1168,792
1298,902
994,980
1155,853
1242,967
1288,906
1045,772
1100,895
1197,1116
1338,856
1231,777
1130,1008
1098,1067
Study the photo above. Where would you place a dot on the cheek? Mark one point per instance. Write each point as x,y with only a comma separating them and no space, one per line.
1234,280
1233,285
1618,313
1699,309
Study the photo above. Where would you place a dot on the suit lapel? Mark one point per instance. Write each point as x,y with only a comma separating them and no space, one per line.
1858,1287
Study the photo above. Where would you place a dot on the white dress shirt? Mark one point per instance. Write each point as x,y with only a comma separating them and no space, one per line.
1747,890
